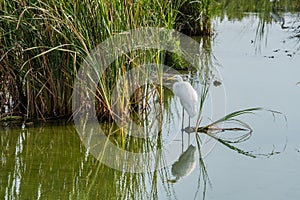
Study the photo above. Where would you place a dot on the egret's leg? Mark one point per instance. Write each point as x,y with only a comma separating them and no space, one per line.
182,125
189,128
182,146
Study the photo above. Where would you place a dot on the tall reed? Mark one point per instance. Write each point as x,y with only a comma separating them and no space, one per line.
43,43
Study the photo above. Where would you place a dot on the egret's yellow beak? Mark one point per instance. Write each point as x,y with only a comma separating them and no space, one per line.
171,78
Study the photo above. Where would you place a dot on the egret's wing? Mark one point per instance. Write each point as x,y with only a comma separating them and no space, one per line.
188,97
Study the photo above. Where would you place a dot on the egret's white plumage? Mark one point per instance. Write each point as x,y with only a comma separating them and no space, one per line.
187,95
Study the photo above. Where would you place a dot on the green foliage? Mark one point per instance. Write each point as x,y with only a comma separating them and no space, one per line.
43,43
195,17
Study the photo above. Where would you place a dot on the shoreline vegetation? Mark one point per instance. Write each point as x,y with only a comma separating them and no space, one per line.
42,44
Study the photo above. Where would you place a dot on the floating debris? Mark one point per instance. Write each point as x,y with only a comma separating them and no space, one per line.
217,83
269,56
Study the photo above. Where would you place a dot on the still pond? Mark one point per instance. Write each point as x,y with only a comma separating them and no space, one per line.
255,70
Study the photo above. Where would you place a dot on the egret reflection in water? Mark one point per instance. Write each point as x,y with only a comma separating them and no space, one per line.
185,164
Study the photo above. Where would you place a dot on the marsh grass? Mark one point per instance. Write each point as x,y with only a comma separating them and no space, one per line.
230,138
44,42
203,177
229,131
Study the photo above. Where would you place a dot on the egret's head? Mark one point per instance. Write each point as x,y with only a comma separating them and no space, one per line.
177,78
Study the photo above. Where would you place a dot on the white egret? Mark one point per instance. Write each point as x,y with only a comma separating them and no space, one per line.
187,95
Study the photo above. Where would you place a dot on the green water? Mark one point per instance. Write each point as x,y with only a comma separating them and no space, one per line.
39,162
51,163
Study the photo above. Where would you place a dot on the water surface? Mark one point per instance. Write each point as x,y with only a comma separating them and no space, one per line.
52,163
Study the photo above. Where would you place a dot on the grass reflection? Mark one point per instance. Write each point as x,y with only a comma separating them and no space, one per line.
136,181
51,162
39,163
